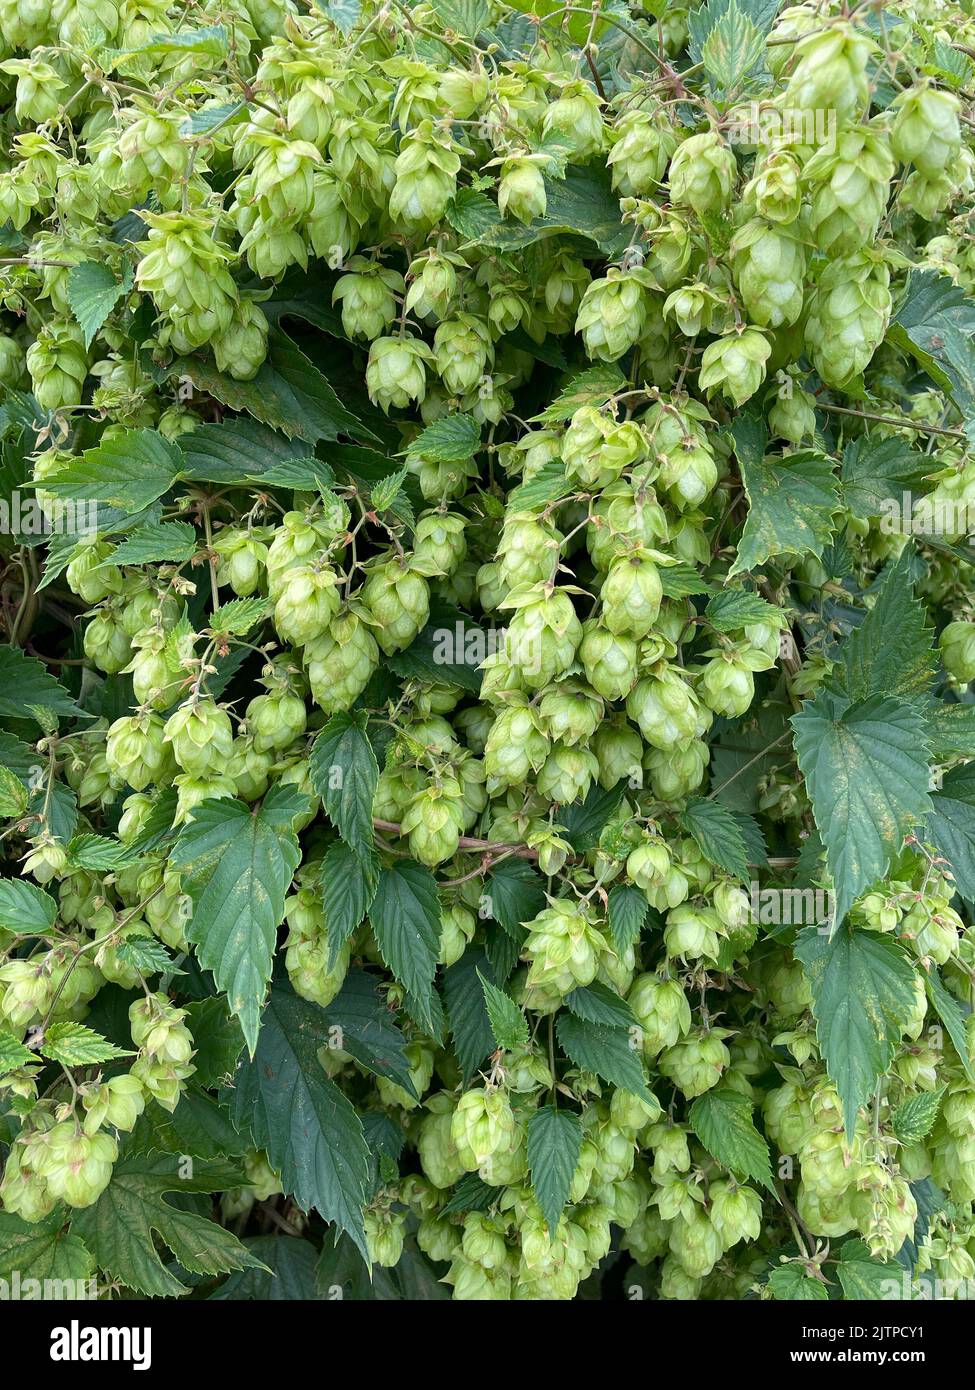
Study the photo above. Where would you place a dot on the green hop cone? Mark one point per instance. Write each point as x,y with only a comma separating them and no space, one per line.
341,662
89,576
201,736
399,600
793,413
426,177
433,283
433,821
527,551
703,173
769,266
367,293
848,316
613,312
609,660
693,933
775,188
570,713
567,774
625,514
643,143
481,1125
463,352
850,186
77,1167
696,1063
241,559
618,749
307,951
242,347
543,636
384,1236
926,130
136,751
515,747
563,946
664,706
957,643
276,720
631,595
662,1012
575,120
648,863
521,189
735,365
726,684
830,72
307,600
439,544
58,365
396,374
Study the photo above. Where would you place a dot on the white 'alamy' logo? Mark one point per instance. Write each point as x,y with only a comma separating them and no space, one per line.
77,1343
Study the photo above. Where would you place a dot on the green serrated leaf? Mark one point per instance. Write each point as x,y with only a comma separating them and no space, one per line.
238,616
681,580
508,1023
914,1118
25,686
74,1045
13,795
791,504
93,292
130,471
451,439
514,893
949,1011
548,485
789,1283
627,911
237,864
863,988
722,1120
733,52
310,1130
554,1146
386,492
25,908
173,541
119,1228
288,393
44,1251
348,884
592,387
597,1003
405,918
874,664
730,610
863,1278
13,1053
98,853
366,1029
717,834
147,955
344,773
876,473
951,827
301,474
470,1024
935,322
608,1052
866,771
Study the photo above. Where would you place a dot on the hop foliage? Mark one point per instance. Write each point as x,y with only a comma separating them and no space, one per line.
489,636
